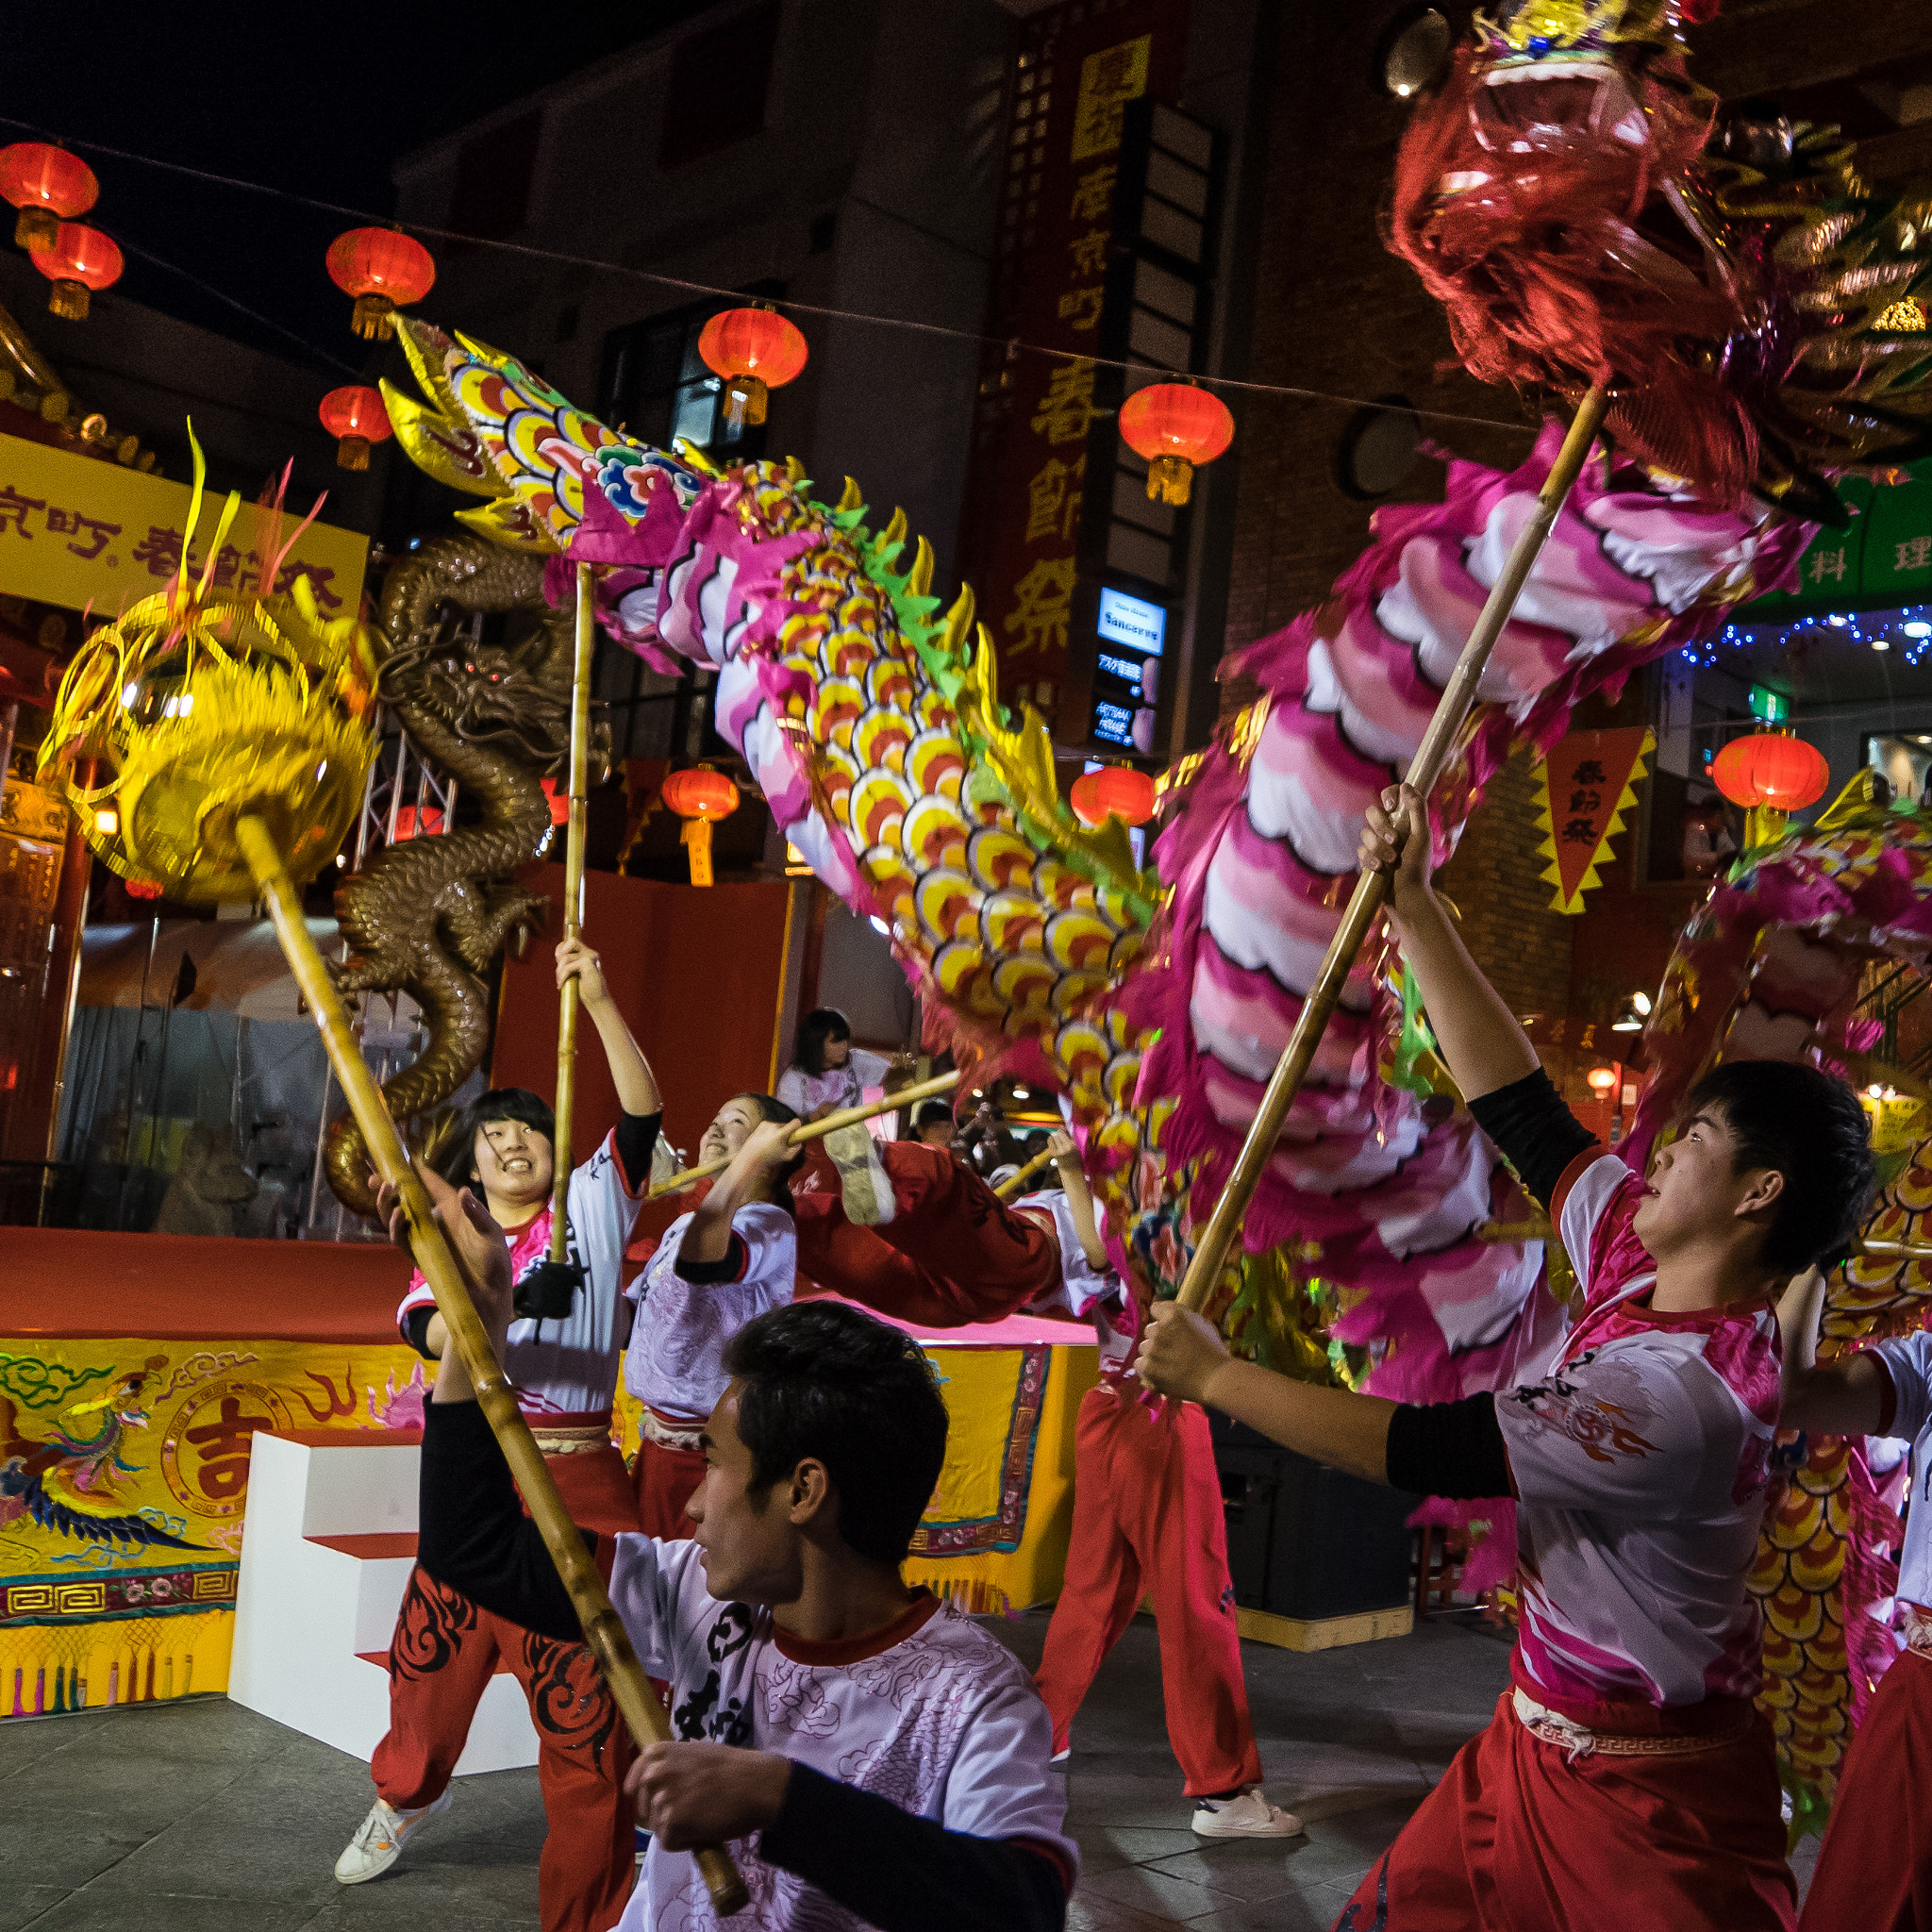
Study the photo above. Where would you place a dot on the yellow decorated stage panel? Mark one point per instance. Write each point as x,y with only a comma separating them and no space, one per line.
124,1480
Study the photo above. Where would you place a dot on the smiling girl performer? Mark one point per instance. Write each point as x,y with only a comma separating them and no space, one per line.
872,1756
1627,1780
733,1257
445,1648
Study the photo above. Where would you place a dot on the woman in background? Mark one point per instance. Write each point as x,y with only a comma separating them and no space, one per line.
829,1071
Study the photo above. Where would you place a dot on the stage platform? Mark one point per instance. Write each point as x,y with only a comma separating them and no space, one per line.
136,1369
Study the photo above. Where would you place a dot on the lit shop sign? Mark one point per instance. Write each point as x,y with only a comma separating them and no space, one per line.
1126,669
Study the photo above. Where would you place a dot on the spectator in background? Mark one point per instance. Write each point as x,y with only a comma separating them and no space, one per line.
933,1123
827,1072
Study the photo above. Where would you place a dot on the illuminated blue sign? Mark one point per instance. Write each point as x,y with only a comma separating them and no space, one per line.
1133,621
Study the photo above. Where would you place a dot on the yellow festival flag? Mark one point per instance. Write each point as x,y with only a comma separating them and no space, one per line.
1589,782
75,531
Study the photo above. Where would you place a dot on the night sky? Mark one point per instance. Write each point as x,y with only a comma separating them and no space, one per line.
318,100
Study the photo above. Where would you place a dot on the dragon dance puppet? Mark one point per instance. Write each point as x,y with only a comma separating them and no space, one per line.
1577,203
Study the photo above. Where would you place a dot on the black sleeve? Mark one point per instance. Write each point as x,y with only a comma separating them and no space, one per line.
903,1873
416,1327
636,1135
1449,1449
472,1534
730,1266
1538,1135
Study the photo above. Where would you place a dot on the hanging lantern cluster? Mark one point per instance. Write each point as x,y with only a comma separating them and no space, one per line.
699,796
1174,425
354,416
385,270
755,350
48,186
1120,791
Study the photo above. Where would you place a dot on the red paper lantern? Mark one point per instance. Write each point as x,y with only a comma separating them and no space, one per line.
1174,425
78,260
698,796
557,792
48,186
1120,791
385,270
1769,769
356,417
755,350
142,888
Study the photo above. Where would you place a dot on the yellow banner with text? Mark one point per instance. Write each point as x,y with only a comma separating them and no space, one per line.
76,531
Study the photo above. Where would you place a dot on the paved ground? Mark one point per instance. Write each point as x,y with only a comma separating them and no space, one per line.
202,1817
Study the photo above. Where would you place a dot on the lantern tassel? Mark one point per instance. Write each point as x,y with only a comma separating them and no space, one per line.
69,299
374,319
746,397
1169,479
36,228
352,453
696,836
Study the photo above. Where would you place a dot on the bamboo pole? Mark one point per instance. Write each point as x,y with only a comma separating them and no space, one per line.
1372,889
568,1000
604,1629
1008,1187
817,1130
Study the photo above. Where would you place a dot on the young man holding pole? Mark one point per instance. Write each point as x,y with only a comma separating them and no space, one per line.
447,1647
870,1753
1626,1780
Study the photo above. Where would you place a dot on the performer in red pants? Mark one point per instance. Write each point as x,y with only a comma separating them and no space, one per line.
564,1368
1148,1518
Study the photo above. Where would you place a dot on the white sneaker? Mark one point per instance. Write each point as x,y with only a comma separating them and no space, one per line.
1062,1757
379,1840
865,1186
1248,1816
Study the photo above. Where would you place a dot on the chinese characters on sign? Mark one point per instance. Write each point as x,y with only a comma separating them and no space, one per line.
1588,780
84,534
1080,68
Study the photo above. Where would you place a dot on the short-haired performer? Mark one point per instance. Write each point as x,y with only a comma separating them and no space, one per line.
733,1257
446,1647
1627,1780
1874,1869
869,1754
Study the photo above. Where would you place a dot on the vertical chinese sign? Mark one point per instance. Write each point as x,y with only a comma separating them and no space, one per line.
1077,67
1589,782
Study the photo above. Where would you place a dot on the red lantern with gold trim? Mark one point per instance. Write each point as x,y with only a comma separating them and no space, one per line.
77,262
755,350
48,186
356,417
699,796
385,270
1174,425
1769,769
1120,791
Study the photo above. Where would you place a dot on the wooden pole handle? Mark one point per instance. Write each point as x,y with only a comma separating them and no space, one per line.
569,999
1006,1188
604,1631
1371,887
817,1130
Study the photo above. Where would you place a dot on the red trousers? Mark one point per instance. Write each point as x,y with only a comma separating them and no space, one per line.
443,1654
955,1252
1516,1838
1148,1517
1874,1869
664,1480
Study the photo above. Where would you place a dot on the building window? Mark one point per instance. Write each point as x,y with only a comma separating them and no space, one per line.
656,385
719,80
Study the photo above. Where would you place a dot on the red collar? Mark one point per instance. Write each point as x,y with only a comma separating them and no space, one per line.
853,1650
